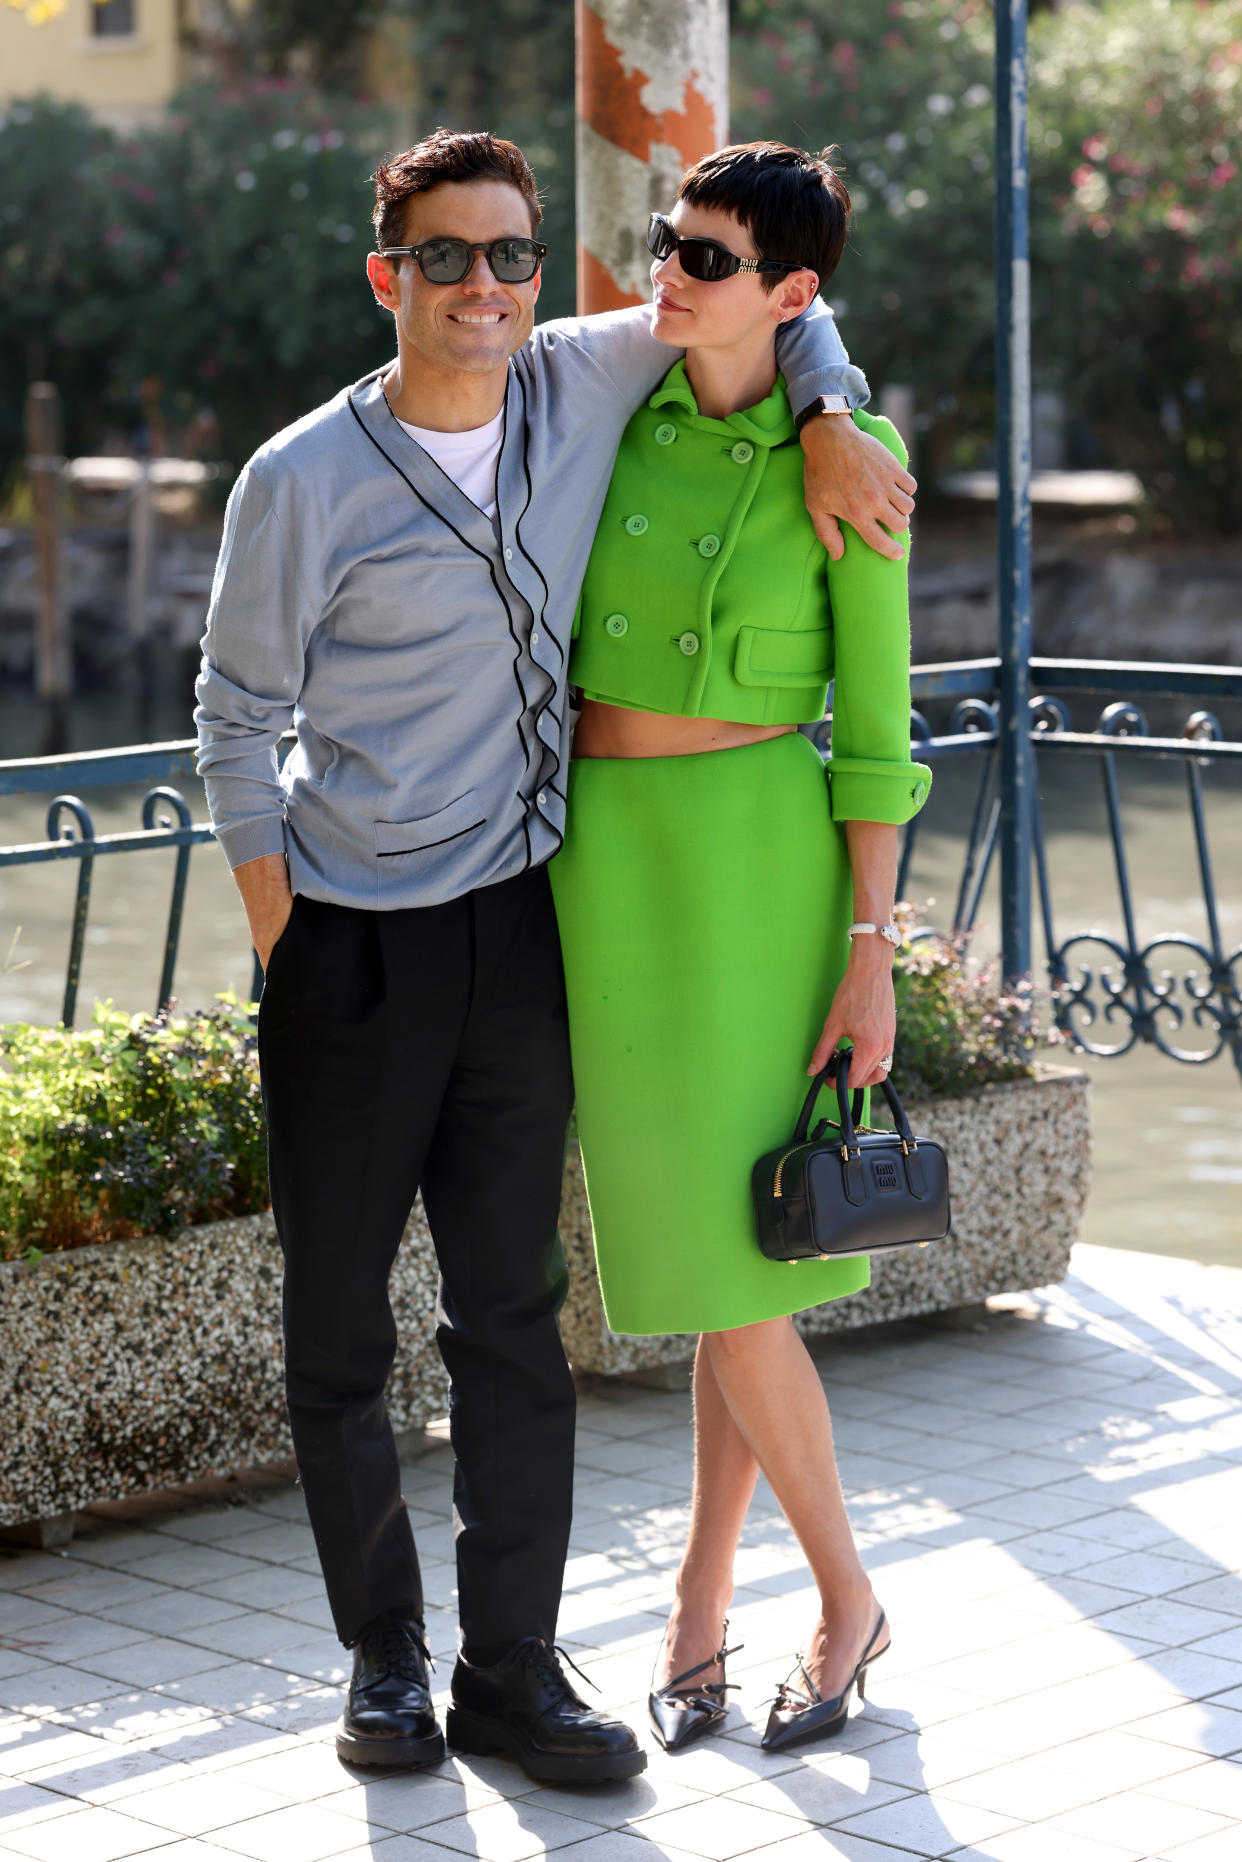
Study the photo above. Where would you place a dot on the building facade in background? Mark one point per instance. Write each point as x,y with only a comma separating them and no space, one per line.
121,59
125,59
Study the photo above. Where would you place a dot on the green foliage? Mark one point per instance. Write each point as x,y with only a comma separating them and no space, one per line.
271,36
142,1125
242,229
57,173
1138,122
955,1028
508,66
905,90
139,1125
213,263
1136,245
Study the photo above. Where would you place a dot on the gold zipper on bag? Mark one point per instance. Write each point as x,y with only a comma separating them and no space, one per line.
780,1165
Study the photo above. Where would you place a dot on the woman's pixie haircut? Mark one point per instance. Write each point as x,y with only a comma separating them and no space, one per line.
795,206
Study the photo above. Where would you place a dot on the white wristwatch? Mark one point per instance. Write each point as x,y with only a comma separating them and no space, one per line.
890,933
822,404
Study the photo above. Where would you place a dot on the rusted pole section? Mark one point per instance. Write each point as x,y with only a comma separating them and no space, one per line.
53,654
652,97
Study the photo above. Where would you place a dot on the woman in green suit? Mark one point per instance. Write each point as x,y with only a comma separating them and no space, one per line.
718,894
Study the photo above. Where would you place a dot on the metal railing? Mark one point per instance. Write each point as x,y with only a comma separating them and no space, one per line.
1147,992
166,821
1135,991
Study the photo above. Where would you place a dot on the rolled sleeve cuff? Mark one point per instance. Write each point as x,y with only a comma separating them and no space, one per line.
862,790
839,378
252,839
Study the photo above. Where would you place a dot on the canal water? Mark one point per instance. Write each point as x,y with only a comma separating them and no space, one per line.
1168,1136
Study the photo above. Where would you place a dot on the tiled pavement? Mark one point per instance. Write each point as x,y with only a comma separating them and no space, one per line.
1050,1501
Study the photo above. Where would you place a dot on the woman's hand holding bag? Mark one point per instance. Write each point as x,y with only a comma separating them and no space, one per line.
840,1190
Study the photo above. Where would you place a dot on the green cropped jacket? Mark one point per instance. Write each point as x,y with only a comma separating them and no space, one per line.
709,595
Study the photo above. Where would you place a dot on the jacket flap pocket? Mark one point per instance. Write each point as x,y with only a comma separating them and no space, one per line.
771,657
397,837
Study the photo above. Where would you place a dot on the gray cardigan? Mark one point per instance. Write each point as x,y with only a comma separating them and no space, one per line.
362,597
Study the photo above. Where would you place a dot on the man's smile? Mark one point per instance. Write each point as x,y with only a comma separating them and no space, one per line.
477,316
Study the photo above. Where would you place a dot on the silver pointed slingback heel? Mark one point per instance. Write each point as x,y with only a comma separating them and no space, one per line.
680,1714
802,1713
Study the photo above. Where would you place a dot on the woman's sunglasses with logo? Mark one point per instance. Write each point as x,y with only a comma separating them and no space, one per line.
447,261
703,258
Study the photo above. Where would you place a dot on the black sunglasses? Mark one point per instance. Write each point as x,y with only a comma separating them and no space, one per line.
447,261
703,258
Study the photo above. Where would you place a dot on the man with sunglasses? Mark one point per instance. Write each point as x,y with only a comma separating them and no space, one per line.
397,580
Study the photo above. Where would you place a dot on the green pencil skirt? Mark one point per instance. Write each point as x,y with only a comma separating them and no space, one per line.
703,903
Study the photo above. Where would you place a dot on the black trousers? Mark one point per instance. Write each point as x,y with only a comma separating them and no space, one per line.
426,1049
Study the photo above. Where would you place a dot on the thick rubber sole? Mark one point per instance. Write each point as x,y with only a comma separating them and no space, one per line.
390,1754
473,1733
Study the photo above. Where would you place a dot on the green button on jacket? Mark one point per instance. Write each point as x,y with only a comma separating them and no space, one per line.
753,621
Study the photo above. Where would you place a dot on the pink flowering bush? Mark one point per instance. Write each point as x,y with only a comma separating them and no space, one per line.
957,1027
1138,114
214,259
1136,233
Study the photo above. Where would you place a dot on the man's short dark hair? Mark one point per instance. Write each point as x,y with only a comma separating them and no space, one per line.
795,206
447,155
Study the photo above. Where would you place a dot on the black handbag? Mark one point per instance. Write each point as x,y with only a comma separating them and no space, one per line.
843,1191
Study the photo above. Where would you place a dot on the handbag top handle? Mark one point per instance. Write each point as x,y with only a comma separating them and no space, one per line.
838,1070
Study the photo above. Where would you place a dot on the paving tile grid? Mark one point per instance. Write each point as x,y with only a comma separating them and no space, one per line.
1048,1497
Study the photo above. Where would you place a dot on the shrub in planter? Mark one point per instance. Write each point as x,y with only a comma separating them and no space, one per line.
955,1028
139,1125
153,1358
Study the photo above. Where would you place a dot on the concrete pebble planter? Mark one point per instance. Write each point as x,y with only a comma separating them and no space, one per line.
135,1365
1020,1168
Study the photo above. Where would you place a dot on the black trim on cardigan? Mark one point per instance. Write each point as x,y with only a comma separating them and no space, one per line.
400,853
491,569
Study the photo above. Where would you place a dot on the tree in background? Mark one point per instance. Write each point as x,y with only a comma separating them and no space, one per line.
214,262
508,66
905,91
220,254
59,174
1136,252
242,246
211,262
1138,110
318,40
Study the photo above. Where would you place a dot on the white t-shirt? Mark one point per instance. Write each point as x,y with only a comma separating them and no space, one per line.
470,459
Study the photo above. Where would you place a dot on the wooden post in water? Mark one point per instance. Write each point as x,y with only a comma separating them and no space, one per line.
141,557
652,97
53,647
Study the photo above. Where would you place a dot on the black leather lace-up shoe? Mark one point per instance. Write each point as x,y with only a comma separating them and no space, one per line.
525,1706
388,1717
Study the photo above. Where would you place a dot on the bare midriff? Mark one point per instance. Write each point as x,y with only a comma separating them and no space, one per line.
615,730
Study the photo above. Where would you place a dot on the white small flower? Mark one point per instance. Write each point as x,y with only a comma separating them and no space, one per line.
244,180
